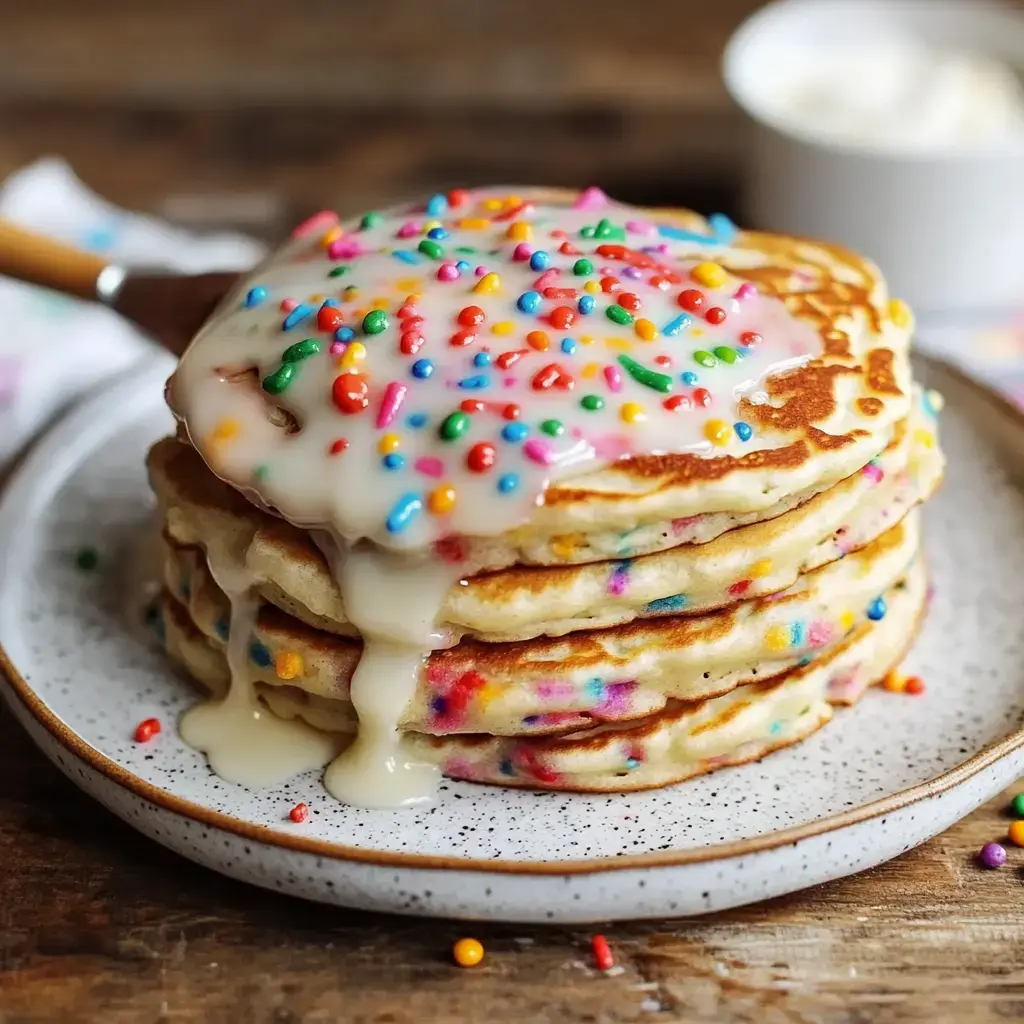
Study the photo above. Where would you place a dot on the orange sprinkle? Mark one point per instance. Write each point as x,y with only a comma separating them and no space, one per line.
538,340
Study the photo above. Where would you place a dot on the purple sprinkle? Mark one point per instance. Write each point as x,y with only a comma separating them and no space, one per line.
992,855
632,272
618,579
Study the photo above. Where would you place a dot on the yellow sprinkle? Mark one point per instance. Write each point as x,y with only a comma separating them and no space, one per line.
645,330
586,339
619,344
431,224
592,286
718,432
224,430
474,223
503,327
493,205
486,694
899,313
331,235
566,545
711,275
352,291
407,284
632,412
317,298
590,370
441,500
925,438
519,231
389,443
355,353
696,332
513,200
895,682
761,568
776,638
488,283
380,302
846,621
288,665
358,314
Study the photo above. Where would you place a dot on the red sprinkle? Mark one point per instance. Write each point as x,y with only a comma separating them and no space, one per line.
675,402
750,339
146,730
627,300
914,685
349,393
716,315
609,284
406,311
559,293
411,323
472,405
471,316
299,812
507,359
329,318
411,343
337,447
480,458
511,411
287,305
603,958
551,376
562,317
612,252
740,587
462,338
567,248
691,300
702,396
457,196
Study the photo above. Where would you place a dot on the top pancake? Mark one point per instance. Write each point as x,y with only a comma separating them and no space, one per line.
819,390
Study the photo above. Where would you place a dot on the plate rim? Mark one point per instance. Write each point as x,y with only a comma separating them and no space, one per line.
44,460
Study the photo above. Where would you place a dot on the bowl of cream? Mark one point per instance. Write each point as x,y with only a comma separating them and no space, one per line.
895,127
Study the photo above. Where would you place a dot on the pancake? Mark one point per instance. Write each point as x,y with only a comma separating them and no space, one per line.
682,740
549,685
525,602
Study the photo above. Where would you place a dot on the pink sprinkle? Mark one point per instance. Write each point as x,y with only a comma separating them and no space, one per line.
323,219
394,396
640,227
537,451
448,272
873,473
343,249
746,291
618,580
429,466
662,247
338,347
287,305
613,378
510,382
819,634
591,198
408,229
521,252
546,280
480,271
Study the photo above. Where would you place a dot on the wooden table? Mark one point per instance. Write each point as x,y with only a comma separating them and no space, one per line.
99,924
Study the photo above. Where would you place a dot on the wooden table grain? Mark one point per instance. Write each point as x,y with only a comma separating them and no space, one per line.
99,924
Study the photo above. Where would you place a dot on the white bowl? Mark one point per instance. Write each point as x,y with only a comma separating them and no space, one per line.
946,227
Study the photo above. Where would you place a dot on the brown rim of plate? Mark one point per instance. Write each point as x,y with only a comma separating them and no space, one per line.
113,772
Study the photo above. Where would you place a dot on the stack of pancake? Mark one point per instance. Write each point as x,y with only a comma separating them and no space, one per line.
698,588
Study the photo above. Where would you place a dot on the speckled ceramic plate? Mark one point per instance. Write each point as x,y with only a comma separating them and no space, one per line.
880,779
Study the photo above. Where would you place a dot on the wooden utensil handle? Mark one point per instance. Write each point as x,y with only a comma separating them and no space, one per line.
38,260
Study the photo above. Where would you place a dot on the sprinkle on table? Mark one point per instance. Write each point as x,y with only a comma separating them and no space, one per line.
147,729
992,855
603,959
299,813
1016,833
468,952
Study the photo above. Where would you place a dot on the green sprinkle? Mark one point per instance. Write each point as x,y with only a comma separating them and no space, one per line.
260,472
87,559
371,220
375,321
726,354
581,268
274,383
606,229
455,424
592,402
553,427
301,350
1018,805
338,271
704,358
468,249
619,315
431,248
642,375
587,232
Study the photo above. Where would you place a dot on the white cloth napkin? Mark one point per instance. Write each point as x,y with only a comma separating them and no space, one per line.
54,349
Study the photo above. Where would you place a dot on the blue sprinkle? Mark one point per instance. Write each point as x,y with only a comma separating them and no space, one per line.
568,346
540,260
594,690
877,609
529,301
481,380
797,634
255,296
689,377
722,232
436,205
437,234
514,432
508,483
805,660
744,431
422,368
222,627
586,304
631,763
334,303
405,255
393,460
531,719
673,327
439,705
408,506
775,729
482,359
416,420
344,334
260,654
463,266
506,768
296,316
675,603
